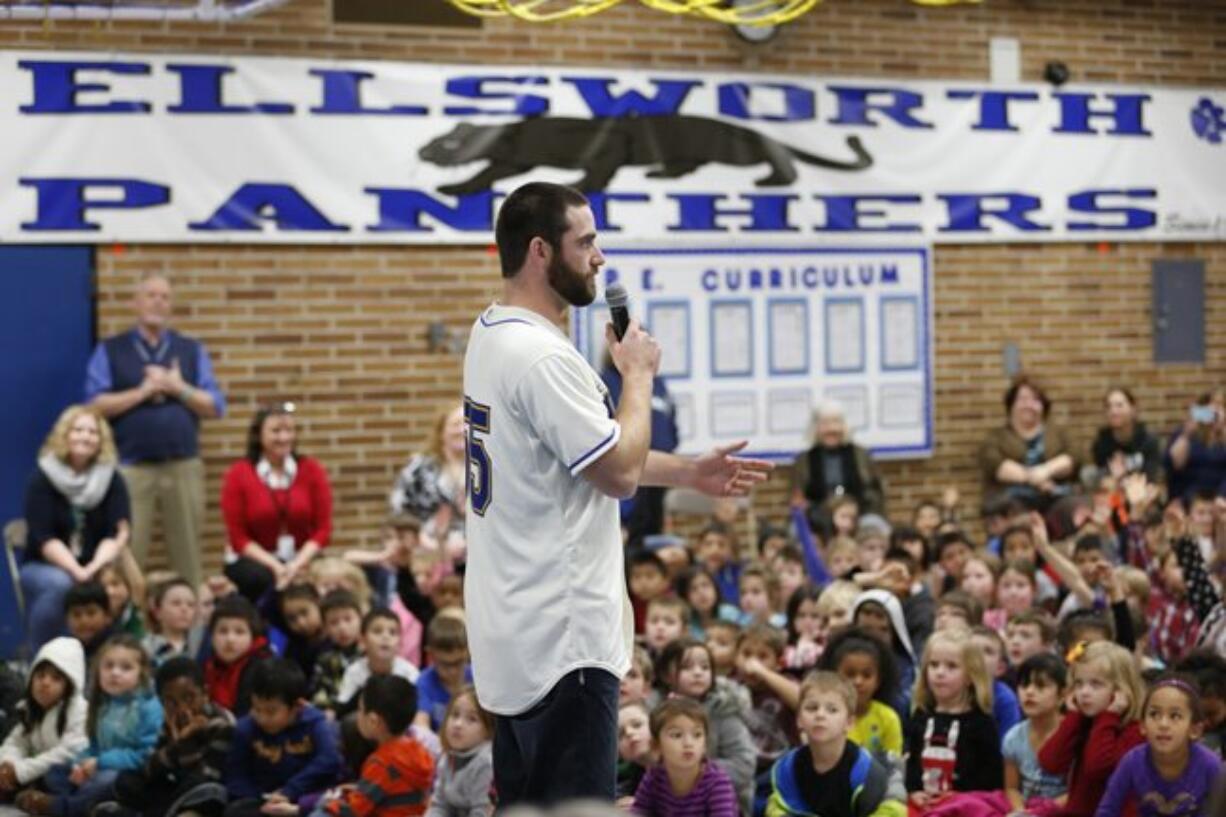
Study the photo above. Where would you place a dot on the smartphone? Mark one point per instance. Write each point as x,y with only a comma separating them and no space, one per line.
1207,415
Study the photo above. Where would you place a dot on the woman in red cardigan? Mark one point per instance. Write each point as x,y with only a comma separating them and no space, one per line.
277,506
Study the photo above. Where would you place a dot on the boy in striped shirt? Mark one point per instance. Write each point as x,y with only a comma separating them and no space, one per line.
396,777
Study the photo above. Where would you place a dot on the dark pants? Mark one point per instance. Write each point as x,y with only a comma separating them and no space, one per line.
563,748
251,578
160,797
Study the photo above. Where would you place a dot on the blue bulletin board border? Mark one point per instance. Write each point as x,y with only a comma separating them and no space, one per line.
652,306
713,305
925,257
774,370
920,342
828,341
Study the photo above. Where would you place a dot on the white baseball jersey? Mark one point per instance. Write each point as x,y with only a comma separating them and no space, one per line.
544,590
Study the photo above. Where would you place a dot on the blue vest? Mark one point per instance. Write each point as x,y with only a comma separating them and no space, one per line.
153,431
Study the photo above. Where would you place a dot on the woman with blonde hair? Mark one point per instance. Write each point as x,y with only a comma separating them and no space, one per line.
77,515
431,486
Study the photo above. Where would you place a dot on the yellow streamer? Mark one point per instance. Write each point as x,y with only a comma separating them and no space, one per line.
761,12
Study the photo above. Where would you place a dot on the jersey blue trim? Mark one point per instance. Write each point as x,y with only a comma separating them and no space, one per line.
592,450
486,323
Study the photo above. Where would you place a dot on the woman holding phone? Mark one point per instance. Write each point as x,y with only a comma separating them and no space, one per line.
1196,457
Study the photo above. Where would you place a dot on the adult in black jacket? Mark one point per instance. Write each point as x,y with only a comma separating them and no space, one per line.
1124,445
77,516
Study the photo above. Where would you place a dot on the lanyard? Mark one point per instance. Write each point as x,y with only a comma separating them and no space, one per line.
281,506
158,353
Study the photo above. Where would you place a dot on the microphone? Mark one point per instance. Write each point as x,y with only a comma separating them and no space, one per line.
618,300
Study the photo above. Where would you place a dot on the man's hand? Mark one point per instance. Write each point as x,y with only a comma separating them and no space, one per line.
83,772
718,473
636,353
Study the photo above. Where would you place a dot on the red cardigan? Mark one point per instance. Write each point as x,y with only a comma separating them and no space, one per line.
253,511
1092,748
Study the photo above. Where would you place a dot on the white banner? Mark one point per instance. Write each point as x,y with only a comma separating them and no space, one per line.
140,148
753,338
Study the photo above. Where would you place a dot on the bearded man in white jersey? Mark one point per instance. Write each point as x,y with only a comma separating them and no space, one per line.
549,621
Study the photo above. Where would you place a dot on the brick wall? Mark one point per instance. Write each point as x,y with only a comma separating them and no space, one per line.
342,331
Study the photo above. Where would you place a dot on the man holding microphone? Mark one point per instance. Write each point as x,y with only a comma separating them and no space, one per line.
549,455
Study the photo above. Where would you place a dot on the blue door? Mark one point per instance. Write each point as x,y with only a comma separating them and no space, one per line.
46,335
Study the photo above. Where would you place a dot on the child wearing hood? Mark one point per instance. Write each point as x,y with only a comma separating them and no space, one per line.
880,613
50,718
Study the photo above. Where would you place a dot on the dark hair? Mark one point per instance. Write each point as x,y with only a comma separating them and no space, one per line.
903,557
236,606
180,666
715,527
377,613
164,587
806,592
446,633
791,553
768,531
678,707
948,539
392,698
1086,544
1037,617
31,714
687,577
339,600
255,448
301,590
971,607
858,641
1043,665
278,679
1080,620
906,533
1186,685
86,594
1209,670
1202,495
1025,380
1124,390
642,557
674,653
533,210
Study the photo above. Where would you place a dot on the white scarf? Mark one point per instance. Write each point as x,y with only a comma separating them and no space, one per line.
275,481
83,490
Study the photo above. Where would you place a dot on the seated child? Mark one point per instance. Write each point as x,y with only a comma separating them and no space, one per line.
835,603
951,738
306,639
172,611
448,673
684,781
666,622
396,777
842,556
381,648
184,771
722,638
1005,708
879,613
1028,634
633,748
87,609
125,613
238,642
284,750
759,590
342,615
806,631
1042,681
696,587
830,775
123,724
466,768
636,684
1208,668
50,718
958,609
773,696
1170,773
716,552
868,665
648,580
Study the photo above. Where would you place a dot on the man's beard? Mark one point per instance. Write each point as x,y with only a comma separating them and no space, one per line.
574,287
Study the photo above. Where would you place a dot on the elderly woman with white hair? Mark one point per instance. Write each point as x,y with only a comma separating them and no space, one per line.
835,465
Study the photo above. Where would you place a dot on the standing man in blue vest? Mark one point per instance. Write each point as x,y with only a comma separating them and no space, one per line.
155,385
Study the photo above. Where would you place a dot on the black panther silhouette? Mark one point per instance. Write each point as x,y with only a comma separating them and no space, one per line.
675,145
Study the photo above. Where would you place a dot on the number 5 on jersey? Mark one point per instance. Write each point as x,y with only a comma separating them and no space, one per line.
480,476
